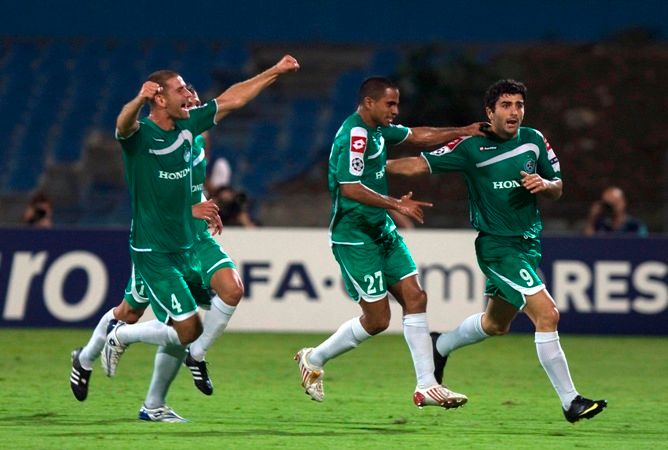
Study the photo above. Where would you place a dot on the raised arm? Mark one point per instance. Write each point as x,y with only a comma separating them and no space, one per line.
405,205
127,121
430,137
414,165
239,94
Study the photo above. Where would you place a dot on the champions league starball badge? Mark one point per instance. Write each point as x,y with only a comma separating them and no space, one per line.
357,164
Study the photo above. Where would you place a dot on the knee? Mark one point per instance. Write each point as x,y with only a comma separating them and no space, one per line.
548,319
189,335
230,294
127,314
377,325
420,301
235,294
498,330
495,328
415,302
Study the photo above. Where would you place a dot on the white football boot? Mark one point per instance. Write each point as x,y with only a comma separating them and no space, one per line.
438,395
311,376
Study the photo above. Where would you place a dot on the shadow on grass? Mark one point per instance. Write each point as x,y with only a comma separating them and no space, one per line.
207,434
205,430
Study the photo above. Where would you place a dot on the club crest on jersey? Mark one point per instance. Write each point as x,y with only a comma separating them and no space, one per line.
530,166
186,155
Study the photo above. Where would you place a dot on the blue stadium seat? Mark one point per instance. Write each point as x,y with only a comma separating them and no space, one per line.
385,62
262,160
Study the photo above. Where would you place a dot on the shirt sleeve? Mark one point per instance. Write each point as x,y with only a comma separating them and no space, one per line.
131,143
202,118
351,147
548,163
395,134
450,158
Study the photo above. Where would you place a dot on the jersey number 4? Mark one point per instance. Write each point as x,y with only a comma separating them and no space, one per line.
176,306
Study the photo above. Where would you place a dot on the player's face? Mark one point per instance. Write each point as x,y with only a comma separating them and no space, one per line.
507,115
385,109
176,98
194,101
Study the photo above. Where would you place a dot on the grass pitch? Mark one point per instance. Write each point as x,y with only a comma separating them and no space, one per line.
258,402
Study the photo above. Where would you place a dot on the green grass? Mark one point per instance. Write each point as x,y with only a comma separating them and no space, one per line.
258,402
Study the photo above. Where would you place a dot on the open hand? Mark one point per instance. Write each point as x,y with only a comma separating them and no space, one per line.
412,208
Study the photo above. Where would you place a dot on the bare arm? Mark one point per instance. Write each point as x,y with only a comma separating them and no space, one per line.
405,205
127,121
414,165
239,94
536,184
431,137
208,210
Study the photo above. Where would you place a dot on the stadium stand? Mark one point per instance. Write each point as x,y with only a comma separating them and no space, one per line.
65,93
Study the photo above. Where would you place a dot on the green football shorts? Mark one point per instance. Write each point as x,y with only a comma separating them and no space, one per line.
370,268
212,256
166,277
510,265
136,297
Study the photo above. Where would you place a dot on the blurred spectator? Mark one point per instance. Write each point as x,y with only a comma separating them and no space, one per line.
233,207
608,216
220,176
39,211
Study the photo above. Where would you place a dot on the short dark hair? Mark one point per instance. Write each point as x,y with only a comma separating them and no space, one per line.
192,89
161,76
375,87
501,87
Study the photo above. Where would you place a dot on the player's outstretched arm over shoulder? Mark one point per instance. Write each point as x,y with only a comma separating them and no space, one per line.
405,205
536,184
432,137
127,121
239,94
414,165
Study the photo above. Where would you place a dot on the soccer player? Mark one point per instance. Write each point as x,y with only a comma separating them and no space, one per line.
371,254
217,270
158,157
505,171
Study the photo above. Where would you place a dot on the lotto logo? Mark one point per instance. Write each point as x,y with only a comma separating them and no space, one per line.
357,144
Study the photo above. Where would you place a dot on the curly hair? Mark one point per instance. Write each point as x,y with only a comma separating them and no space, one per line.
501,87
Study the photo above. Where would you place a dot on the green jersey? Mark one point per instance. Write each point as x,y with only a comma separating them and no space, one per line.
199,176
358,155
158,170
498,203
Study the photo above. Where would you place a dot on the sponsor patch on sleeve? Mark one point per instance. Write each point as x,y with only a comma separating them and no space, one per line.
449,147
358,141
441,151
552,157
554,161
